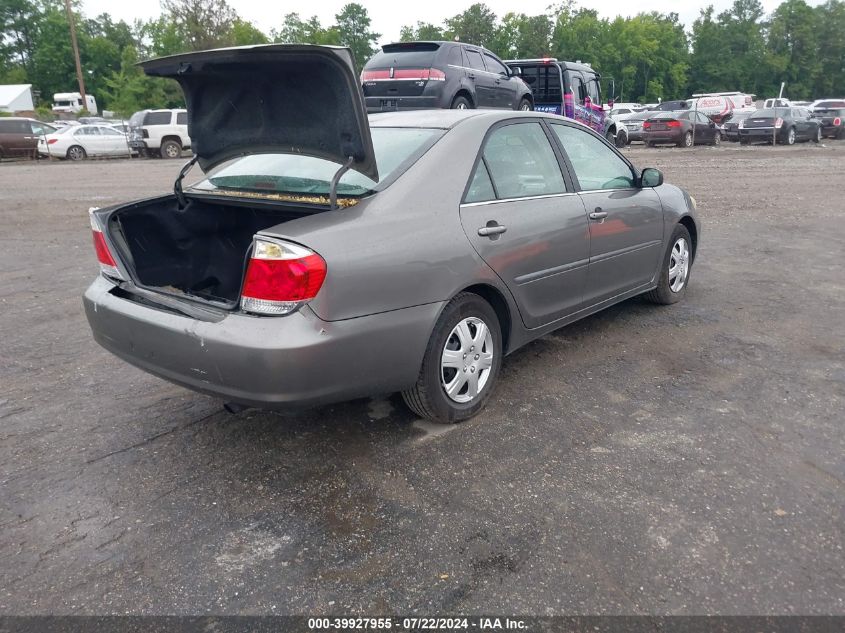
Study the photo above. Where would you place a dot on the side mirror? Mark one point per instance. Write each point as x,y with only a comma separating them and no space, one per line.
651,177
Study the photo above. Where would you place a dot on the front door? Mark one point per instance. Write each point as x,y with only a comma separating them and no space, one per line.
486,89
626,221
524,222
506,96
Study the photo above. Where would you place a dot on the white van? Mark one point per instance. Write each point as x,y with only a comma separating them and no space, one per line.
720,105
71,102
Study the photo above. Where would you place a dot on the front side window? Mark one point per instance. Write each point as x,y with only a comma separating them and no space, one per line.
495,66
596,165
593,91
521,163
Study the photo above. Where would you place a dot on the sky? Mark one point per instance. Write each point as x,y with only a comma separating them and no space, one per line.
388,16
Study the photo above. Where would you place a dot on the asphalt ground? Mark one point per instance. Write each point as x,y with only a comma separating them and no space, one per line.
687,459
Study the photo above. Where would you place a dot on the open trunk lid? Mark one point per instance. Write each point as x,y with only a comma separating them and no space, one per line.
276,98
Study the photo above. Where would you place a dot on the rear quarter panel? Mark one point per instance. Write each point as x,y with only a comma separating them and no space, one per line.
404,246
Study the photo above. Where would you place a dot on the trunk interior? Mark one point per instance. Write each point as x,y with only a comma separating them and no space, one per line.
200,250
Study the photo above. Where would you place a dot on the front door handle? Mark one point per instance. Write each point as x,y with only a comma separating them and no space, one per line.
598,214
492,229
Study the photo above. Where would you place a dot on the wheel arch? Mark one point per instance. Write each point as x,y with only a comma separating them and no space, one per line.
689,224
172,137
497,301
465,92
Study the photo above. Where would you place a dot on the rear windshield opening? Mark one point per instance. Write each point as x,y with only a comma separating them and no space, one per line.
405,55
544,82
395,149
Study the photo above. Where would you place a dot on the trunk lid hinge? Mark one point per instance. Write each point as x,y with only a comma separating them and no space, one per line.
336,180
177,186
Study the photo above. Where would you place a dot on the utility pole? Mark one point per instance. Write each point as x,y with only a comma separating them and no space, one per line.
73,42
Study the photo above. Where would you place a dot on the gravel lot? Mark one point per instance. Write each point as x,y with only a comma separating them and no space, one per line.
649,460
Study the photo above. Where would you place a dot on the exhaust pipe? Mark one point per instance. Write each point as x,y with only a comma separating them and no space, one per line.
235,407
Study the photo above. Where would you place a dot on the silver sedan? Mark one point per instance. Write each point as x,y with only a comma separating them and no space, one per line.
326,256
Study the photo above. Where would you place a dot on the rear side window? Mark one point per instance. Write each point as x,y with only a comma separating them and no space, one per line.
181,118
578,88
14,127
474,59
157,118
521,163
455,58
410,55
481,187
595,164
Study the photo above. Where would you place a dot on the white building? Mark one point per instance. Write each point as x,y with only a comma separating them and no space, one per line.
16,98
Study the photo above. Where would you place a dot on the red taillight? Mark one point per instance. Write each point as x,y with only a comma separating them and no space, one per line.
405,74
50,141
778,122
107,264
837,122
673,124
280,276
646,125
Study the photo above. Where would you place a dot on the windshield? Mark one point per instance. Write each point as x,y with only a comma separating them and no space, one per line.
297,174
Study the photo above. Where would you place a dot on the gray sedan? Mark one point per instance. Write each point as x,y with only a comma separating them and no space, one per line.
326,256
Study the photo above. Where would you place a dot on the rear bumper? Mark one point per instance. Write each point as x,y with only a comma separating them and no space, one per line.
283,362
759,134
832,130
662,137
381,104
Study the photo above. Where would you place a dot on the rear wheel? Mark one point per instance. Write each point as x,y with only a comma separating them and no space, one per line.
717,140
790,136
686,141
171,149
675,270
461,363
525,105
75,152
461,103
817,138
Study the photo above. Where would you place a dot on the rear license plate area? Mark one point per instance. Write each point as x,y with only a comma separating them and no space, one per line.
389,104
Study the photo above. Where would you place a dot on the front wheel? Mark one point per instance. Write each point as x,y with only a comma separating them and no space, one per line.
717,140
461,363
818,136
675,270
525,105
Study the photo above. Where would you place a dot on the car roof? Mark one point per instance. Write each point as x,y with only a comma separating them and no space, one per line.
446,119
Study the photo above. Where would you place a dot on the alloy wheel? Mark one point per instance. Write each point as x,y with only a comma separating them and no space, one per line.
790,136
679,265
76,153
467,360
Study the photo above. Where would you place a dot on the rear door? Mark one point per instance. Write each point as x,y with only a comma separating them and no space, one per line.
112,141
625,221
526,222
486,89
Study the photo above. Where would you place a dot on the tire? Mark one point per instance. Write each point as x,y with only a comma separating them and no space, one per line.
171,149
461,103
611,137
648,144
743,141
790,136
686,141
717,140
428,397
525,105
621,139
76,153
817,138
669,288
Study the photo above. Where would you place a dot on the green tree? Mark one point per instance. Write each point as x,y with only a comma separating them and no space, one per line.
831,49
793,40
295,30
423,31
476,25
202,24
353,29
129,89
245,33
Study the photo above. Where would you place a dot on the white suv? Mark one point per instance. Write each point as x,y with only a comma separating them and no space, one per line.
159,132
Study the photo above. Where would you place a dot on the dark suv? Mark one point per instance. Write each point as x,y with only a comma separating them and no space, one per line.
831,118
417,75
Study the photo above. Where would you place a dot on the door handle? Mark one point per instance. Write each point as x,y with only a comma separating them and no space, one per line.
598,214
471,76
492,229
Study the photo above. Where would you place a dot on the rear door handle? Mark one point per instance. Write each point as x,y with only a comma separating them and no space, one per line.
494,229
598,214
